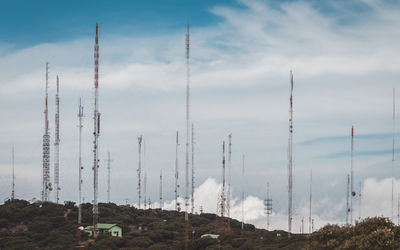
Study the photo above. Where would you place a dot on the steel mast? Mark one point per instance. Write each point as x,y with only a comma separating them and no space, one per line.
290,166
177,205
352,192
96,133
13,175
228,197
109,177
192,168
309,217
139,170
80,116
46,185
161,200
187,141
393,159
243,157
57,146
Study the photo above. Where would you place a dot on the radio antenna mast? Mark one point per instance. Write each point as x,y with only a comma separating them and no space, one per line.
243,157
352,192
187,141
192,168
228,197
268,206
145,175
394,131
309,217
96,134
13,175
108,177
161,200
80,116
57,146
177,205
46,185
347,199
139,170
290,166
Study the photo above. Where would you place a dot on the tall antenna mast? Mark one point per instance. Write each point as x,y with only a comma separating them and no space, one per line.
359,203
309,217
177,205
139,170
13,175
243,157
394,131
80,116
161,200
46,185
192,168
228,198
187,141
108,177
222,220
268,206
352,192
290,166
145,175
96,133
347,199
57,146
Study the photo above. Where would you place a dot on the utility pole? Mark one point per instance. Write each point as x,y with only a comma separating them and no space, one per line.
290,166
228,198
80,116
177,205
187,141
46,184
161,199
192,169
57,146
309,217
13,175
139,170
96,134
108,177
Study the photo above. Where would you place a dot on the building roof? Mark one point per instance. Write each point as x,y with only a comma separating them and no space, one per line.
101,226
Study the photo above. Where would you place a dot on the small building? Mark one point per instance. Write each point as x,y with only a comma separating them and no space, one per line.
111,229
213,236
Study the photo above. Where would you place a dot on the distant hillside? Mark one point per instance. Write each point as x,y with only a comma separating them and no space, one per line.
52,226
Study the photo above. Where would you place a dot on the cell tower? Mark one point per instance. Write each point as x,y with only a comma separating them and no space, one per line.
46,184
243,158
394,131
222,220
161,199
192,169
228,197
268,206
139,170
80,116
347,199
290,166
57,146
145,175
13,175
108,177
96,134
309,216
352,192
187,141
177,204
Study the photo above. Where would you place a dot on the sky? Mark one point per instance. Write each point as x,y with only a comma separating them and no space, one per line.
343,58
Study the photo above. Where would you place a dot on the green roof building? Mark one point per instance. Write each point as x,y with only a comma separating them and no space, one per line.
111,229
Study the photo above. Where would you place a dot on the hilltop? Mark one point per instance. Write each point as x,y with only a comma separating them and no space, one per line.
53,226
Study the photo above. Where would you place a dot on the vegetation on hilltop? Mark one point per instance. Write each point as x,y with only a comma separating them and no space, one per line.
53,226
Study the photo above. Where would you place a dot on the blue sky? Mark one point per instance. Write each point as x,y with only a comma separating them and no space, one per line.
341,54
